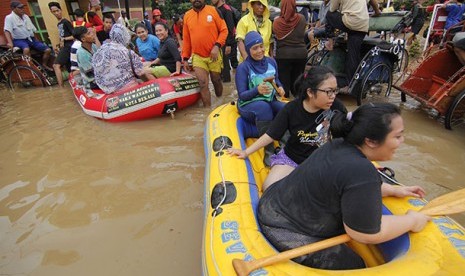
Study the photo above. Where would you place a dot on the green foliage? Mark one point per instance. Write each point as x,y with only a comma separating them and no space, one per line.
235,3
415,50
133,22
171,7
275,3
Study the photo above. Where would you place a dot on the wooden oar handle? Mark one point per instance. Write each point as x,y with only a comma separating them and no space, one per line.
243,268
444,205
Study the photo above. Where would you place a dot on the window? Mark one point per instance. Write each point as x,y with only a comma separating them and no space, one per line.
72,5
38,21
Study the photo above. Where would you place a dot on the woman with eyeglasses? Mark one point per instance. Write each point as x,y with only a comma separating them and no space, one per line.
337,190
307,120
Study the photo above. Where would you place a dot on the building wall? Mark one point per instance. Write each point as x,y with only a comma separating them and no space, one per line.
135,8
6,10
51,21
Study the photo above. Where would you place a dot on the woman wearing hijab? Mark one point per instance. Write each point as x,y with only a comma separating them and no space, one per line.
257,102
291,52
115,66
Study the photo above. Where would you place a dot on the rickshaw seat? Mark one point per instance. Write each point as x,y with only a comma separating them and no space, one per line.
369,40
377,41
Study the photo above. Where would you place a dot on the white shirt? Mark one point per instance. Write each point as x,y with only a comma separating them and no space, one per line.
19,28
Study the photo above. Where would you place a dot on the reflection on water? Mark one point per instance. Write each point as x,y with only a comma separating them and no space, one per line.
80,196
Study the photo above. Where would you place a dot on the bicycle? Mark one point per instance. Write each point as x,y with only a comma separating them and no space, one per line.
383,62
22,71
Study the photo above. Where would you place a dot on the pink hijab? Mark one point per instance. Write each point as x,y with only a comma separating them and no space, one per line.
287,21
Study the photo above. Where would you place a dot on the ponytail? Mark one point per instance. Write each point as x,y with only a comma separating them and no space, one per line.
372,121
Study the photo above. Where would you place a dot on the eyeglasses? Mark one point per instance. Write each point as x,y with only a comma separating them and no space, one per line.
330,92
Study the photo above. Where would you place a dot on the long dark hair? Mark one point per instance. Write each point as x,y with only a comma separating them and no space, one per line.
371,120
140,25
311,79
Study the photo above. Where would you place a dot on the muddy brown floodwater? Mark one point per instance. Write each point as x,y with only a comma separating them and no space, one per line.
79,196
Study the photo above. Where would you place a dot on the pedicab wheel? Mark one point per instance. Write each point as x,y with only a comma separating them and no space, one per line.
22,76
376,85
455,115
400,67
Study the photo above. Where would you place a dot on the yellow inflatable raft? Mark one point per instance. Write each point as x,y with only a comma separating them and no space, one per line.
232,191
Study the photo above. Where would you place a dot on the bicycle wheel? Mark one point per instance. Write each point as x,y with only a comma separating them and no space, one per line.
376,85
400,67
22,76
455,115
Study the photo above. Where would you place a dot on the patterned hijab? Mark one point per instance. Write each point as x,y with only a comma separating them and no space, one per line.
287,21
112,66
120,34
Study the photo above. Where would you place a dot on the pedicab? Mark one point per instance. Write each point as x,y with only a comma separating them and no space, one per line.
381,57
436,35
22,71
439,83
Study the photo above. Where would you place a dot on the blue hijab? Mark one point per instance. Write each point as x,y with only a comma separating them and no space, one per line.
258,66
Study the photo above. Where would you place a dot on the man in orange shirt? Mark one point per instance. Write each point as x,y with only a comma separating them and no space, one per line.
204,33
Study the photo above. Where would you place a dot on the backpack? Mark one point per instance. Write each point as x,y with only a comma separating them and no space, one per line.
236,13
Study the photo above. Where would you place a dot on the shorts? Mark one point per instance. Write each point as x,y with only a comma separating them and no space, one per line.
63,57
207,64
30,43
282,159
458,36
416,26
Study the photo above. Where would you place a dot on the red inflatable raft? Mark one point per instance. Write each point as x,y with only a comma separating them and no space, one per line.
149,99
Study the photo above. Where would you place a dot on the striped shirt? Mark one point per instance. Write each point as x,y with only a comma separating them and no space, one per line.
73,57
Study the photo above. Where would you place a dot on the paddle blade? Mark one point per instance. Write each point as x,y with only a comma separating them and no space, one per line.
448,204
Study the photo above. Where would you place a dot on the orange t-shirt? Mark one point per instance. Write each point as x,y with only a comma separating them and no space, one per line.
202,30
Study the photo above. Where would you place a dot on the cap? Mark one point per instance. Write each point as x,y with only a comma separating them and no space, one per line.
123,11
156,12
16,4
146,14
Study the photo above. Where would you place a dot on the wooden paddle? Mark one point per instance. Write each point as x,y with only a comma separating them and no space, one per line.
448,204
271,81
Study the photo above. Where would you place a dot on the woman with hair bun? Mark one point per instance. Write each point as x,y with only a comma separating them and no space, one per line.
306,119
338,190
